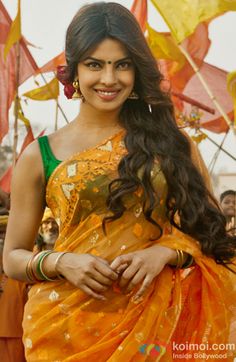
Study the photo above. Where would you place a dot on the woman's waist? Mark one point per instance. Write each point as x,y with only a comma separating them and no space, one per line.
118,237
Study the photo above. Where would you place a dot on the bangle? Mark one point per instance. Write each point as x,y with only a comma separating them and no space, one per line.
30,272
35,268
40,267
189,262
181,263
180,258
37,261
60,276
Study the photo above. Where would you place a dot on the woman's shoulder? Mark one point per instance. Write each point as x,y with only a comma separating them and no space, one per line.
31,152
29,163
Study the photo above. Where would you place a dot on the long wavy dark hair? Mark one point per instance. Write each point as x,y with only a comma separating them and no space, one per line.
152,133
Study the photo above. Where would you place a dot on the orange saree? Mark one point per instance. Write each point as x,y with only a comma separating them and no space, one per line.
61,323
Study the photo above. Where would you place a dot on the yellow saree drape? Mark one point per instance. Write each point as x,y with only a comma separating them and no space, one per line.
61,323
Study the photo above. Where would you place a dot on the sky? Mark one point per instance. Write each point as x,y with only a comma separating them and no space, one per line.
44,23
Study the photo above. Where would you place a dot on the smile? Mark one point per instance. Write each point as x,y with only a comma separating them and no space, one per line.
107,94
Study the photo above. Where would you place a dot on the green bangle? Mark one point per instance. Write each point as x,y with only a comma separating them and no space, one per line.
40,269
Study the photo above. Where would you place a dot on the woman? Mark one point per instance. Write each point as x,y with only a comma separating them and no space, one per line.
122,181
228,206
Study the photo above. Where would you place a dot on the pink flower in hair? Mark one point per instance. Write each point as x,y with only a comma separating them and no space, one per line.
69,90
62,77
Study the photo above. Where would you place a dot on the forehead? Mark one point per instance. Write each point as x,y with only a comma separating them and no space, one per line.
48,220
229,198
109,49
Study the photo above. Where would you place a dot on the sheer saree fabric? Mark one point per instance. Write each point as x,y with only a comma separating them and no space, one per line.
61,323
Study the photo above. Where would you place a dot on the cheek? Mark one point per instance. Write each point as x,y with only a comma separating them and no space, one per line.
87,81
86,77
128,79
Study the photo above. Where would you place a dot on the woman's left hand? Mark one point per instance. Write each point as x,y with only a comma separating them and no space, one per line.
142,266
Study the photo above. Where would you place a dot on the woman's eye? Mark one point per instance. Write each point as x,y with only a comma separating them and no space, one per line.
93,65
124,65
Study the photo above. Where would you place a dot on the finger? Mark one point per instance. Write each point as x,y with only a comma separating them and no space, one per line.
128,274
91,293
122,259
100,278
121,268
145,285
106,271
139,276
104,261
95,286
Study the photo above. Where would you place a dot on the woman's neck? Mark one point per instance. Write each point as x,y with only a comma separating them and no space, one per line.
94,119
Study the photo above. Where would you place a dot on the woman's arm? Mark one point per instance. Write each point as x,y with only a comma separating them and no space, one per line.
91,274
27,206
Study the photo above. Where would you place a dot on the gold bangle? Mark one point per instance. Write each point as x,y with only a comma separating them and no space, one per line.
28,270
180,259
178,263
31,275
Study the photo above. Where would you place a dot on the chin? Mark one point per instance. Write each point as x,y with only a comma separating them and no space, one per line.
106,106
109,107
49,239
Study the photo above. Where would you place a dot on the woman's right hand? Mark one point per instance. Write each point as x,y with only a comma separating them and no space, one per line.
91,274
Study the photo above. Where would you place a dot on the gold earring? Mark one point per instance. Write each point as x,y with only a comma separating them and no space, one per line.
133,95
77,94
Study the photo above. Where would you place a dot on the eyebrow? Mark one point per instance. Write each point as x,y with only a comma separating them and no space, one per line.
103,61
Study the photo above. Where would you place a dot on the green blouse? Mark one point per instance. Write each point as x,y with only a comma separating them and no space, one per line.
50,162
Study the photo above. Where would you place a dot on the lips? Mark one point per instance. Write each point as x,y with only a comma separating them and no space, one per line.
107,94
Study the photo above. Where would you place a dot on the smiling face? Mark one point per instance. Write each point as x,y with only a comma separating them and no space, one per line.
106,76
49,231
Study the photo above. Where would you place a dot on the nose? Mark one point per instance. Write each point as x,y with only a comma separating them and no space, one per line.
50,225
108,76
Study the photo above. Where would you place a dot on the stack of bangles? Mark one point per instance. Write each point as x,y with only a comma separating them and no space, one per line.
35,271
182,262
